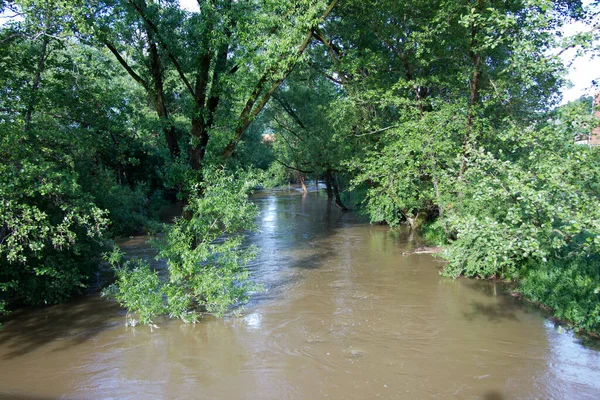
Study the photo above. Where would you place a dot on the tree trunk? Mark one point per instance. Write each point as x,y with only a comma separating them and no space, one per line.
159,97
328,184
476,60
36,83
595,134
302,182
200,135
412,221
263,90
336,192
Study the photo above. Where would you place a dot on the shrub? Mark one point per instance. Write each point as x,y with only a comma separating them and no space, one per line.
204,252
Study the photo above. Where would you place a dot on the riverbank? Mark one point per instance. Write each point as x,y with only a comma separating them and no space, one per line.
542,287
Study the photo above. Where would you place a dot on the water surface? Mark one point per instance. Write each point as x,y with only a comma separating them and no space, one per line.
345,314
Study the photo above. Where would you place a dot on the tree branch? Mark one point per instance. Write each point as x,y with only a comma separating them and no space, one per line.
11,37
573,45
292,168
377,131
162,42
288,109
125,65
287,128
250,111
334,54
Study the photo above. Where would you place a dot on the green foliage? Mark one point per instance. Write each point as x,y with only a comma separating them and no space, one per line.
276,175
538,203
462,131
405,169
429,111
139,288
66,154
434,232
570,287
51,231
530,214
131,209
204,252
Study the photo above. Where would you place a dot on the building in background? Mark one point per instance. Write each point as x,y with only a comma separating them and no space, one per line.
595,134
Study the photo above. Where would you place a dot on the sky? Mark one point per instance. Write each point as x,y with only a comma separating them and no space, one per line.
582,70
190,5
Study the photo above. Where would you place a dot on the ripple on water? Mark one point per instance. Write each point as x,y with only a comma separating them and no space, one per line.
344,315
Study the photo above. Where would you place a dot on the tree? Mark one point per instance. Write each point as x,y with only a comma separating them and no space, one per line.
66,151
308,138
428,94
227,59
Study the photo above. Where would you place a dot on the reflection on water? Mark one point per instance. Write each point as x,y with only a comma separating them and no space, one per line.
344,314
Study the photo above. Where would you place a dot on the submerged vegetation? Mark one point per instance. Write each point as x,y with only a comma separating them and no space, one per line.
441,115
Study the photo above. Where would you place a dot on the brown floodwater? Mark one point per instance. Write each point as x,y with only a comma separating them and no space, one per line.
345,314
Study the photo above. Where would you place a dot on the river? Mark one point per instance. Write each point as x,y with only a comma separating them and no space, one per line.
346,313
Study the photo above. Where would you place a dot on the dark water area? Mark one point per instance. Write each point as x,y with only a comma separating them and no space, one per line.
345,314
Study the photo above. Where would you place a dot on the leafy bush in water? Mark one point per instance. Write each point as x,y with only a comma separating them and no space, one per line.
532,216
138,287
204,254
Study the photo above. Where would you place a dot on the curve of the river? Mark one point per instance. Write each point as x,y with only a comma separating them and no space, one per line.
345,314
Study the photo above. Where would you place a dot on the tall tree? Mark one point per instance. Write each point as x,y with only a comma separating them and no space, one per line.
224,62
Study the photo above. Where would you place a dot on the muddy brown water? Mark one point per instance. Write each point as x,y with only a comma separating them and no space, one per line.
344,315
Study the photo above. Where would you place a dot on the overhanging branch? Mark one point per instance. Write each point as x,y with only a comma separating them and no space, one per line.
127,67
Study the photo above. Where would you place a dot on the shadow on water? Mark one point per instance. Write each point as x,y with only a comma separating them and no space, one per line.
313,261
502,310
17,396
275,288
493,395
70,324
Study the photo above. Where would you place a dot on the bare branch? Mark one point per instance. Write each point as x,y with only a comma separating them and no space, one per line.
128,68
378,131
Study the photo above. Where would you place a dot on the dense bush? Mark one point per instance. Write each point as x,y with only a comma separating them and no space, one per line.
131,209
540,205
530,214
204,253
569,287
51,233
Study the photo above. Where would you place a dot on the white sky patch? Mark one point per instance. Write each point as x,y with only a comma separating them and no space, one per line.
583,69
8,16
189,5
